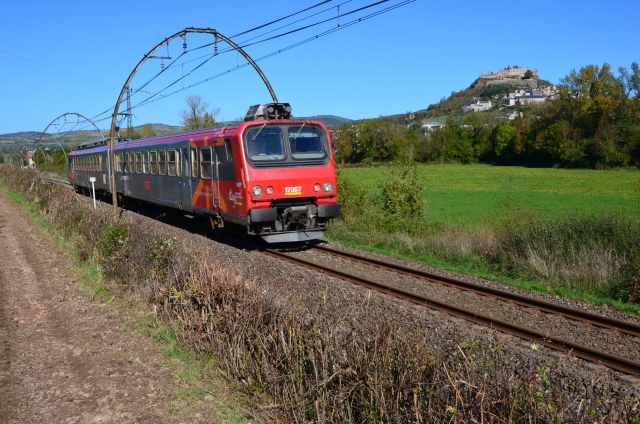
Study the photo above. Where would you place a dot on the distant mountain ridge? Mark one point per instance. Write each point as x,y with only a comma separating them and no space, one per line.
76,137
328,119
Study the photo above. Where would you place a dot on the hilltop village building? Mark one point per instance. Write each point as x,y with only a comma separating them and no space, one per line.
534,95
477,106
430,126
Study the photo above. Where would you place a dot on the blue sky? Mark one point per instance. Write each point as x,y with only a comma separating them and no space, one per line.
399,61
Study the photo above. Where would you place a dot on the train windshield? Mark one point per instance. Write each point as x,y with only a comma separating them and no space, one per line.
305,143
265,144
286,145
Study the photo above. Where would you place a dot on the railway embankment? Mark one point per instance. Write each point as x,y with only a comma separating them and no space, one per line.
309,347
474,223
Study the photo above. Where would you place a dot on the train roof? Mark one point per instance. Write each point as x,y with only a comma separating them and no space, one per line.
214,132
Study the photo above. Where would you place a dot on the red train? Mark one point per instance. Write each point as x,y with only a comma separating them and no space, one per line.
271,175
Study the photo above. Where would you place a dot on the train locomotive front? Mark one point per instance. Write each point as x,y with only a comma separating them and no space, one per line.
271,176
291,177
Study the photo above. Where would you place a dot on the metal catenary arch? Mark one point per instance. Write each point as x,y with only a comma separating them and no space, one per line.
182,34
56,121
19,155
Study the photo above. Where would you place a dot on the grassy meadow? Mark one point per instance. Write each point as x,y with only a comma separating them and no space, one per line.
569,232
472,194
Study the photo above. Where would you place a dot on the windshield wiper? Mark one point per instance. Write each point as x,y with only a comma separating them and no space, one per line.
300,130
259,131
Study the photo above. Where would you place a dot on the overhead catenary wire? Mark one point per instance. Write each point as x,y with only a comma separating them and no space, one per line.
245,32
330,31
155,97
104,85
90,80
282,19
232,49
171,65
280,27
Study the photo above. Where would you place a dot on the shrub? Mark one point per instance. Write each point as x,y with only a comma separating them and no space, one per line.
318,359
114,241
596,252
402,192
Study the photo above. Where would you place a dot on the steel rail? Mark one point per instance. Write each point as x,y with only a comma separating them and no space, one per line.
563,311
611,361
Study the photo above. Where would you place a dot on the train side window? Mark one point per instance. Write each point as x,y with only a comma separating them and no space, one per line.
171,162
121,161
100,163
185,161
153,162
145,162
93,163
194,163
138,162
162,162
129,162
227,147
178,163
118,163
206,170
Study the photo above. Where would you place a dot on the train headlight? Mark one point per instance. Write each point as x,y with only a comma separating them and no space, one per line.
328,187
269,190
316,187
257,191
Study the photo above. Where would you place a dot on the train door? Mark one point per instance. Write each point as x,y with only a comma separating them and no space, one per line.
230,200
185,179
194,175
216,180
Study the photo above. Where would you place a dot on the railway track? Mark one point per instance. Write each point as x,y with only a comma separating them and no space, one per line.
602,358
592,355
547,307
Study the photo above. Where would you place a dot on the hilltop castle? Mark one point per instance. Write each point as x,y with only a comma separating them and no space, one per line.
509,72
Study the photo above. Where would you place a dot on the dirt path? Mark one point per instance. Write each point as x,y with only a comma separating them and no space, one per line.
66,359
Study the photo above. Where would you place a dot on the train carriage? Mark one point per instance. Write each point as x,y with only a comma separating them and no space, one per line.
271,175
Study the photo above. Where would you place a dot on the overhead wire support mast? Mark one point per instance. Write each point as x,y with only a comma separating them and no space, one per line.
183,34
129,120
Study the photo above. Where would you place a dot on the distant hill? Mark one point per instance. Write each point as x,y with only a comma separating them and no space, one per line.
479,89
328,119
29,138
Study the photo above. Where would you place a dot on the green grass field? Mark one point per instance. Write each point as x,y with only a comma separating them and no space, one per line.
472,194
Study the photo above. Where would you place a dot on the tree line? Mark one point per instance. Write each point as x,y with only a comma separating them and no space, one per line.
593,122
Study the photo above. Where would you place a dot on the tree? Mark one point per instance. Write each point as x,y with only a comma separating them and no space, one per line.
592,96
148,131
631,81
528,74
502,137
196,114
452,143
